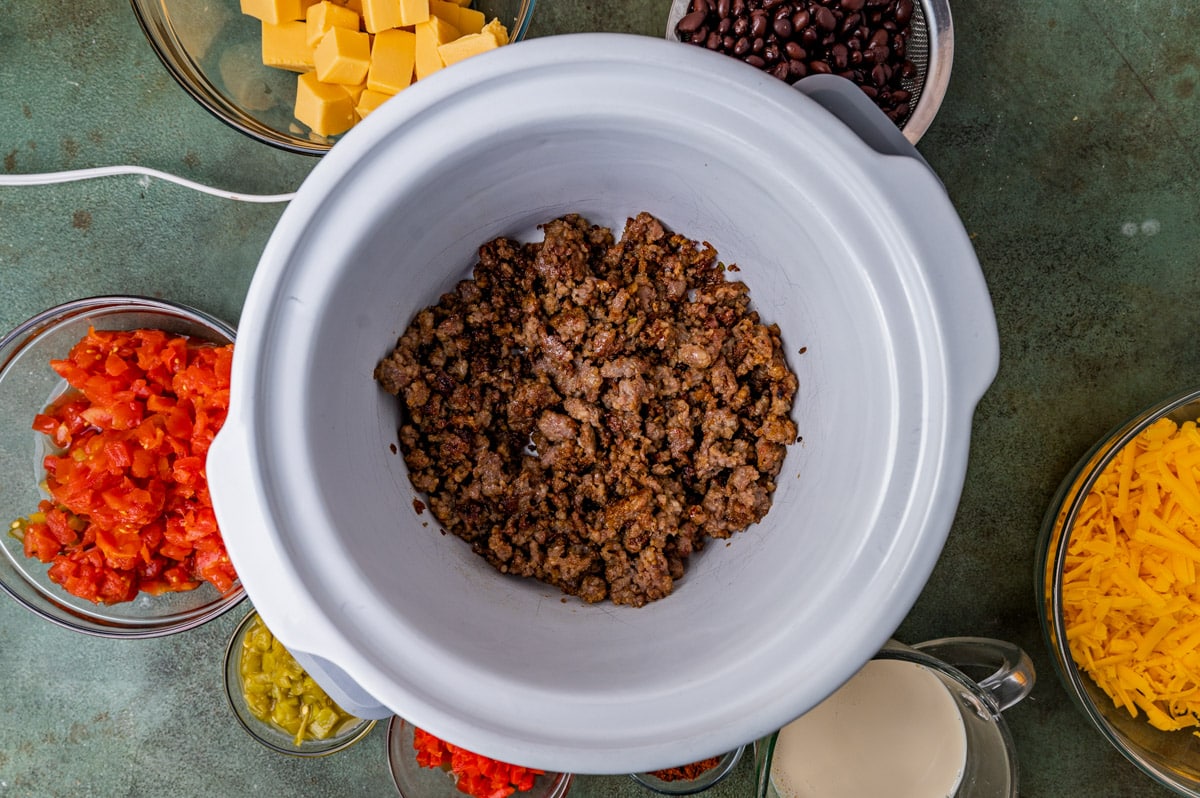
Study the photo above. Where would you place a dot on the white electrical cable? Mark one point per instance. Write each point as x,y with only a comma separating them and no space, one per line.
50,178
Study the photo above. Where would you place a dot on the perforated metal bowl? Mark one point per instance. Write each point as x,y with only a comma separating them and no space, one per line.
930,48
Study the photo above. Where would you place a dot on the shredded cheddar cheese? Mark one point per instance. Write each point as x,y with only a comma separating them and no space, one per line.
1131,602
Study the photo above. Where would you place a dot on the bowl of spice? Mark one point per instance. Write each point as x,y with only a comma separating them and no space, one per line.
298,74
693,777
898,52
1117,571
425,766
109,406
277,703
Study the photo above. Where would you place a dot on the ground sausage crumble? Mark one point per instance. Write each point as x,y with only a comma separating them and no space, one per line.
587,411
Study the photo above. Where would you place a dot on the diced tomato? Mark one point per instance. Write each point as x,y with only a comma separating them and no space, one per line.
130,508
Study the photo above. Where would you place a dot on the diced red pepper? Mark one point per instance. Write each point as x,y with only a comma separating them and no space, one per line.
130,506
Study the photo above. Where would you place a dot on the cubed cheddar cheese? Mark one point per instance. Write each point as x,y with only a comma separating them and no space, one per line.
430,35
284,46
325,107
353,54
276,11
393,56
343,56
369,101
325,15
413,11
380,15
466,46
465,20
497,31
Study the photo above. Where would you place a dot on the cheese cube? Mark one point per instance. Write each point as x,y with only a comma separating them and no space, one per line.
465,47
343,56
466,20
430,34
276,11
380,15
325,15
324,107
471,21
354,5
393,56
355,91
369,101
413,11
497,32
284,46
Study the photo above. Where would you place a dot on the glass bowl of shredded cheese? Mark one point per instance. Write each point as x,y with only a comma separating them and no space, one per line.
298,74
1119,559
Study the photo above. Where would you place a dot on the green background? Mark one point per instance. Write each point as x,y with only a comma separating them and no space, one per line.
1067,140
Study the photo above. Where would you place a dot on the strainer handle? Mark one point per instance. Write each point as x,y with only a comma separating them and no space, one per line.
1002,669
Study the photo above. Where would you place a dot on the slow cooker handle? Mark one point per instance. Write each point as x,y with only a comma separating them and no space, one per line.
287,610
968,318
845,100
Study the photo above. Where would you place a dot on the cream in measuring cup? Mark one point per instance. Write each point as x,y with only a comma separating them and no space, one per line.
909,724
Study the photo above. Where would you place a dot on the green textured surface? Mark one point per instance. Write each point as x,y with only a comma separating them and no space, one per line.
1068,141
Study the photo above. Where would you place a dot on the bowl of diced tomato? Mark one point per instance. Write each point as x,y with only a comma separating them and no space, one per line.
425,766
107,408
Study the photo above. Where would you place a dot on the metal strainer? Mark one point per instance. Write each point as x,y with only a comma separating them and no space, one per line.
930,48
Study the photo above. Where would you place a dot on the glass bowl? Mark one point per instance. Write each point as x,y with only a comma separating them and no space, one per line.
215,53
414,781
930,48
710,777
27,385
270,735
1170,758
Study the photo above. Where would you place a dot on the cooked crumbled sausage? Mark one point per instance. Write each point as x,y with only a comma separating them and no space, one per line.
588,412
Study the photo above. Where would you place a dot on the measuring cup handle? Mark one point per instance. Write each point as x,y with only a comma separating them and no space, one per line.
1011,673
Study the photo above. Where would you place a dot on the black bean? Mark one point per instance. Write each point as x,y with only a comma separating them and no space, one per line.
728,43
714,41
691,22
796,69
741,27
722,8
783,27
809,37
757,45
755,61
770,52
819,68
900,95
850,24
780,70
700,5
739,8
852,5
800,19
904,12
840,55
758,23
741,47
824,18
795,51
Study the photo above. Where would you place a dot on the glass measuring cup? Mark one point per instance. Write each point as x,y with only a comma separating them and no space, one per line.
973,734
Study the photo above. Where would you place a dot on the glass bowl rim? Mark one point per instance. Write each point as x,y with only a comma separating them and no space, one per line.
709,778
1054,536
560,786
165,43
12,345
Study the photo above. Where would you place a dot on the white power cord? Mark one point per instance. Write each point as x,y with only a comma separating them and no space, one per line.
50,178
